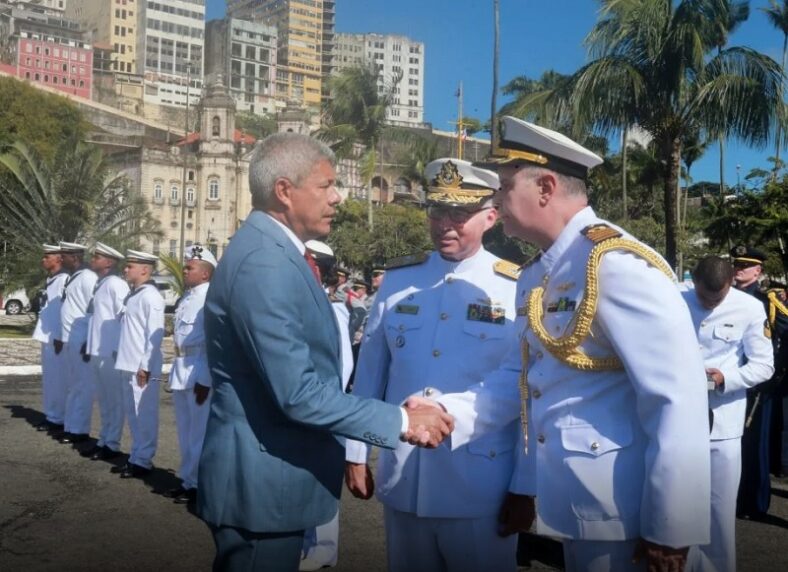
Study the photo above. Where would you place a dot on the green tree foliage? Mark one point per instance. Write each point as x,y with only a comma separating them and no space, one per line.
258,126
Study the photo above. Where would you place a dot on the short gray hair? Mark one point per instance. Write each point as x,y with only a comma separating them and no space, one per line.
284,155
573,187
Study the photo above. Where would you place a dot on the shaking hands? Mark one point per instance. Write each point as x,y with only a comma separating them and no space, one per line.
428,423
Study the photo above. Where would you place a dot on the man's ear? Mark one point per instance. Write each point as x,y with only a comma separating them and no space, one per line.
283,189
547,188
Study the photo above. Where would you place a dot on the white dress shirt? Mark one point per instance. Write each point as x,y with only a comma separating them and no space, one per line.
141,331
48,325
77,292
191,364
104,312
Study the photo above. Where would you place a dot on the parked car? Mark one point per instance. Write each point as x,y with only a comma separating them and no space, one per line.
15,302
166,286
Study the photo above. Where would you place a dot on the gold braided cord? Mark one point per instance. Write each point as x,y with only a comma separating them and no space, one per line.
567,348
774,306
524,390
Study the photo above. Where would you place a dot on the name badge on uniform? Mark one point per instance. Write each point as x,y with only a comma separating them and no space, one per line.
485,313
406,309
563,304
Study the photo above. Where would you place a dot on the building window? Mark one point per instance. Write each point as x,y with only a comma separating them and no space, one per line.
173,247
213,190
216,125
190,194
157,192
156,246
174,192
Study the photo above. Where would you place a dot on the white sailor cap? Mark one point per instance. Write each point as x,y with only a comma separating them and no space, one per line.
319,247
199,252
455,182
71,248
108,251
141,257
51,249
526,142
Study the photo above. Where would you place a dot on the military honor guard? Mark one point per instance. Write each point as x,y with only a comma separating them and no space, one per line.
615,445
737,355
77,293
47,331
140,360
763,402
104,312
440,323
190,378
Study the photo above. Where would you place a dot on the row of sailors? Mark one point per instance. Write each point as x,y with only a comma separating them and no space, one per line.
101,337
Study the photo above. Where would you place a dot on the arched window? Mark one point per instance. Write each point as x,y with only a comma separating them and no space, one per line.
213,190
157,191
216,126
190,194
174,192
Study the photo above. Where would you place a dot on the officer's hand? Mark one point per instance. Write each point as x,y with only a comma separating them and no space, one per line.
142,377
201,393
84,351
517,514
359,480
716,375
58,346
660,558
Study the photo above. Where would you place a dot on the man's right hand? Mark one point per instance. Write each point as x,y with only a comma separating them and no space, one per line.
428,426
517,514
359,480
58,346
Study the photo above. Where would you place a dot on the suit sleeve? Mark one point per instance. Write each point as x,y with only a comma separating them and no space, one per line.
759,364
270,298
154,334
643,315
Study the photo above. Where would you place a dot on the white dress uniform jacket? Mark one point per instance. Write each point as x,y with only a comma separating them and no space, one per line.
141,331
613,455
191,362
78,290
731,338
105,310
439,327
48,324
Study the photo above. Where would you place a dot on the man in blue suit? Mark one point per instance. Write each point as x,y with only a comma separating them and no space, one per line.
273,456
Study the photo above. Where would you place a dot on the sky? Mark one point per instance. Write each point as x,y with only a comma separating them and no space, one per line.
536,35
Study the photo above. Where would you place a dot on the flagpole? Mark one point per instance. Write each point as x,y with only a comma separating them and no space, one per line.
460,123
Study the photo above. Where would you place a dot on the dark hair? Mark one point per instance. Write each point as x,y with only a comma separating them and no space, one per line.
713,273
328,269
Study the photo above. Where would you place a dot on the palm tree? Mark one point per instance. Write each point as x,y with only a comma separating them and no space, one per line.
355,117
496,58
777,14
652,66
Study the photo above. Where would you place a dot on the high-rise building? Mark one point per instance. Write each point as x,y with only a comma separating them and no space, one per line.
392,56
304,28
170,41
244,53
110,23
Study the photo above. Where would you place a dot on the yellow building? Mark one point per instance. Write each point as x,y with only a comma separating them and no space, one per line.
110,23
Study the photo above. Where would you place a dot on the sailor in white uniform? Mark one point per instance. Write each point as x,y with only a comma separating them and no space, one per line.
102,346
77,292
47,328
439,324
732,332
617,427
190,379
140,360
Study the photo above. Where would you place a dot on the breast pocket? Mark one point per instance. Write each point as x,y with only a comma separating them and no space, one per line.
403,329
484,331
727,334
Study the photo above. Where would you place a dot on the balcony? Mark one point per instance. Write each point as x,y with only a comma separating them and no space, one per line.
191,203
158,201
175,202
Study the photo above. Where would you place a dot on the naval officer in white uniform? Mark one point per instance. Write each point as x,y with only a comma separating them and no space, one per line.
618,444
190,379
140,360
732,331
47,328
439,324
102,346
77,292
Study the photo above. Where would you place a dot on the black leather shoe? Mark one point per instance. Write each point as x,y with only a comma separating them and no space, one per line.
45,426
133,471
54,428
189,496
70,438
120,468
175,493
90,452
104,454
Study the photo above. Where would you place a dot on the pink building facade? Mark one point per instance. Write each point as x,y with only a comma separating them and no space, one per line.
59,63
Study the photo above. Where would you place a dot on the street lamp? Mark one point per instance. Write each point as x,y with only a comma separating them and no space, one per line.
738,178
185,165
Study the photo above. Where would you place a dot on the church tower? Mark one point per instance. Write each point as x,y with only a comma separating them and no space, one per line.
217,119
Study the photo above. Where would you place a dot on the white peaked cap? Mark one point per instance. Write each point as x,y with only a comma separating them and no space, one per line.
72,247
456,182
141,257
319,247
108,251
51,249
199,252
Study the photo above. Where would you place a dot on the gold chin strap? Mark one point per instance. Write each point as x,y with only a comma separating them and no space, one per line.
774,306
524,348
567,348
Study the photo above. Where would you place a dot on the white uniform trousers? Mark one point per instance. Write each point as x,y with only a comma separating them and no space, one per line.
80,388
422,544
191,420
53,381
720,553
109,393
142,411
607,556
321,542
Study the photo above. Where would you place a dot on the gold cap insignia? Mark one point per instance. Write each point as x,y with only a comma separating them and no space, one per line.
741,250
448,177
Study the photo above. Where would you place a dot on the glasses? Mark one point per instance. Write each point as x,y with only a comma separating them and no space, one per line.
454,214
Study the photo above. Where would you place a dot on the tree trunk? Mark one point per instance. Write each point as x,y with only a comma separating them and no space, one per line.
722,167
671,154
496,54
779,126
624,172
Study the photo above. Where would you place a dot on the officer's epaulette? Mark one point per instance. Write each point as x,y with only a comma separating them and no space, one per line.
599,232
531,261
409,260
507,269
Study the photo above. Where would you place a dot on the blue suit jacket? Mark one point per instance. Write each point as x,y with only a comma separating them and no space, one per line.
274,453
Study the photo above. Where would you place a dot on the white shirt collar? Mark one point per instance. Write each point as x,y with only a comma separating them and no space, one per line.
290,234
458,266
582,219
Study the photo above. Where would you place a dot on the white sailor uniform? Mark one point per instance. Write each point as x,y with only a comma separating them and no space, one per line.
77,293
102,345
439,327
189,368
139,348
732,339
53,366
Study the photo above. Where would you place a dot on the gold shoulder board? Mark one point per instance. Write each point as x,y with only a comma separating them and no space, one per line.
507,269
409,260
601,232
